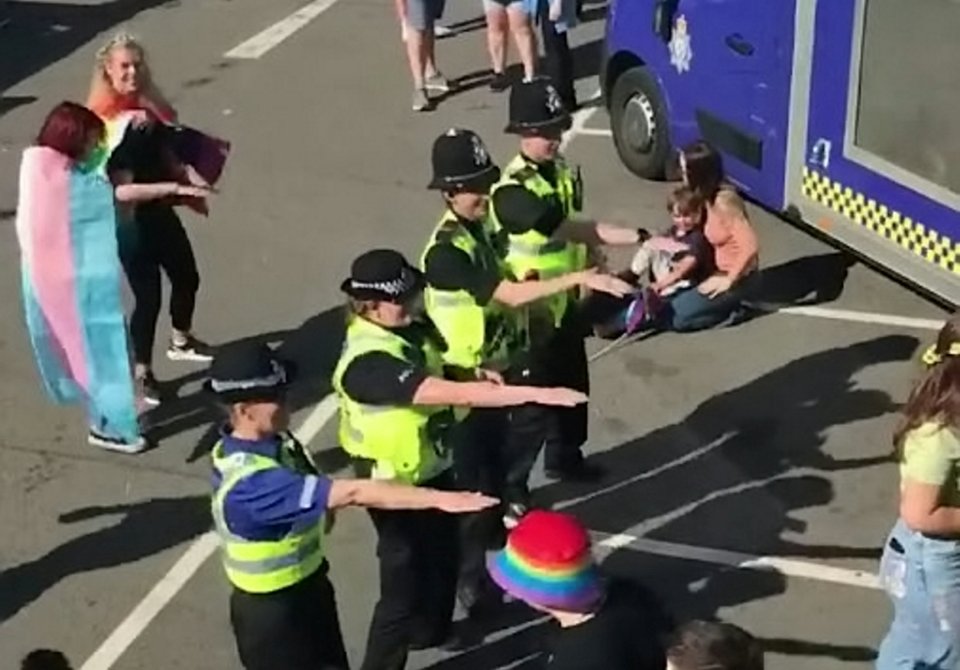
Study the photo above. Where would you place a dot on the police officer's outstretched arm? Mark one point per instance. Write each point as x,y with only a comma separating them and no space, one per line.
389,495
521,212
439,391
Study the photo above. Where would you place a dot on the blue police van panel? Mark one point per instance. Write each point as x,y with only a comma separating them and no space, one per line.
812,109
722,70
883,140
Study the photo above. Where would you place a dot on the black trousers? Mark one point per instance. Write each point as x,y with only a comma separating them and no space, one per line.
480,460
558,60
157,240
418,555
296,628
567,426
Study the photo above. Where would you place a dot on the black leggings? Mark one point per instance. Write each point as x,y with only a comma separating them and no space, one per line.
158,240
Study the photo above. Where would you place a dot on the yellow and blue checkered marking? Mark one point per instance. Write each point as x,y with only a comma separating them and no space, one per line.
912,235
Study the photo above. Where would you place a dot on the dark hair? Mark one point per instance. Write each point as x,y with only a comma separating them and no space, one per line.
45,659
687,201
704,169
936,397
711,645
67,129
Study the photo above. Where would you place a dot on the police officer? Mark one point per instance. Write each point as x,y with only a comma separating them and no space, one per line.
537,203
270,506
396,419
472,301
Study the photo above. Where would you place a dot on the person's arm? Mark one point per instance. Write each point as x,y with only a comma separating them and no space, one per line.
438,391
516,294
132,193
681,270
921,509
598,232
390,495
746,240
927,468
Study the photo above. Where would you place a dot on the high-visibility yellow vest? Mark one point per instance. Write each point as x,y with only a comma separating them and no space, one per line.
264,566
476,335
532,254
405,443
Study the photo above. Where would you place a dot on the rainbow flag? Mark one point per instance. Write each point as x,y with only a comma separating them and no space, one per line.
71,280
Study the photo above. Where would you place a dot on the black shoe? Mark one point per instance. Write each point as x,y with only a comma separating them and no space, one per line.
500,82
581,472
148,388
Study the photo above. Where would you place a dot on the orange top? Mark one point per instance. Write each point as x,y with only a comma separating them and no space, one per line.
734,242
108,105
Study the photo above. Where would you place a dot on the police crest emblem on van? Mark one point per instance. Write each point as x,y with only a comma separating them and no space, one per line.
681,52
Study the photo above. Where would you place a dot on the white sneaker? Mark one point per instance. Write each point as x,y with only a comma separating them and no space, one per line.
110,443
441,31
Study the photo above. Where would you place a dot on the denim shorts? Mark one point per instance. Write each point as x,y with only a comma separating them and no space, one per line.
921,574
422,14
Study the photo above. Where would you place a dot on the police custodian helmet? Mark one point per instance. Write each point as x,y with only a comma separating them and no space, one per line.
461,162
535,107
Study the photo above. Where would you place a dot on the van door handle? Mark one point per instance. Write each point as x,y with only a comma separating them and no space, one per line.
737,42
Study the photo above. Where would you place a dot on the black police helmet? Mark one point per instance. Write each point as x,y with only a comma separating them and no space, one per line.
461,162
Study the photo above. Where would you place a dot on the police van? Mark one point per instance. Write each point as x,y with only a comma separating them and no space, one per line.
843,114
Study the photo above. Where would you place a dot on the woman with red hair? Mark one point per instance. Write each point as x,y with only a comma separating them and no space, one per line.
123,88
67,231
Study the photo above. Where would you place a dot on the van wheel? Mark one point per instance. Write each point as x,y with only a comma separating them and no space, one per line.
639,121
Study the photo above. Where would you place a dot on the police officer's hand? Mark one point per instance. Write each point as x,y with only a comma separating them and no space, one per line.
561,397
191,191
606,284
458,502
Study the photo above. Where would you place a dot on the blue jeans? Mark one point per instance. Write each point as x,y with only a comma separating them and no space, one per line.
691,310
921,575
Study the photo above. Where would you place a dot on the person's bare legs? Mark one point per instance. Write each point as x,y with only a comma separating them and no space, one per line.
497,37
521,26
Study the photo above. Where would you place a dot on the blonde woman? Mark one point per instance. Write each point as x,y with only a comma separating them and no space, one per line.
155,239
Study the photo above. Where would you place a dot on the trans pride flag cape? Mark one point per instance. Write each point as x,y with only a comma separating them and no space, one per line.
66,227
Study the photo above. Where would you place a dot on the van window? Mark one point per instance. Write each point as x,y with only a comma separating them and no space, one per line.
908,110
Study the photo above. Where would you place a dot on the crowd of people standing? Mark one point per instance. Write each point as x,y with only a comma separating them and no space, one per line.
449,383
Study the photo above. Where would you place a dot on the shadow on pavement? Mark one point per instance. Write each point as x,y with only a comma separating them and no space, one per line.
809,280
729,476
314,346
586,59
144,529
42,33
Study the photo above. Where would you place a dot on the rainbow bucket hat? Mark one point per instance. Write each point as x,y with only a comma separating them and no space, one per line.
547,562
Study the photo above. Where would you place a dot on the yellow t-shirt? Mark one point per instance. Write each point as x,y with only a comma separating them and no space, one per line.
931,455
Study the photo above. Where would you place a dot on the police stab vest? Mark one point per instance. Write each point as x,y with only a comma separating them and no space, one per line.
405,443
534,255
264,566
475,335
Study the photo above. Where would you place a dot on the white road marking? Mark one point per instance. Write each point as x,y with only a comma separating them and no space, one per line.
148,608
264,41
785,566
595,132
579,120
864,317
186,566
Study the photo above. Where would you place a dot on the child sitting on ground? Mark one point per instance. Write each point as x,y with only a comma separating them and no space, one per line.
665,265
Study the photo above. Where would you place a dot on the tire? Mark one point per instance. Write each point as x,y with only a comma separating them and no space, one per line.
636,104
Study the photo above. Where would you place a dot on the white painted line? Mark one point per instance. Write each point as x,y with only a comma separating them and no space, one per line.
148,608
186,566
317,419
595,132
264,41
785,566
579,120
864,317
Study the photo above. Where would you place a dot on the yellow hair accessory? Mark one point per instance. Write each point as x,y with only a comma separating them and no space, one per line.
932,357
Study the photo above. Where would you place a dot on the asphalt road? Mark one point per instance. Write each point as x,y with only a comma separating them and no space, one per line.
765,440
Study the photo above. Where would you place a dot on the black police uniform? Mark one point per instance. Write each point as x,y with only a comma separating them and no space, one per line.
563,431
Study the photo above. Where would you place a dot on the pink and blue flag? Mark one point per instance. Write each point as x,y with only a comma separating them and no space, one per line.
71,279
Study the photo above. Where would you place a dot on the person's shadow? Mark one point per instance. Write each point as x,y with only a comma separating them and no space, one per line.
143,529
313,347
727,477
